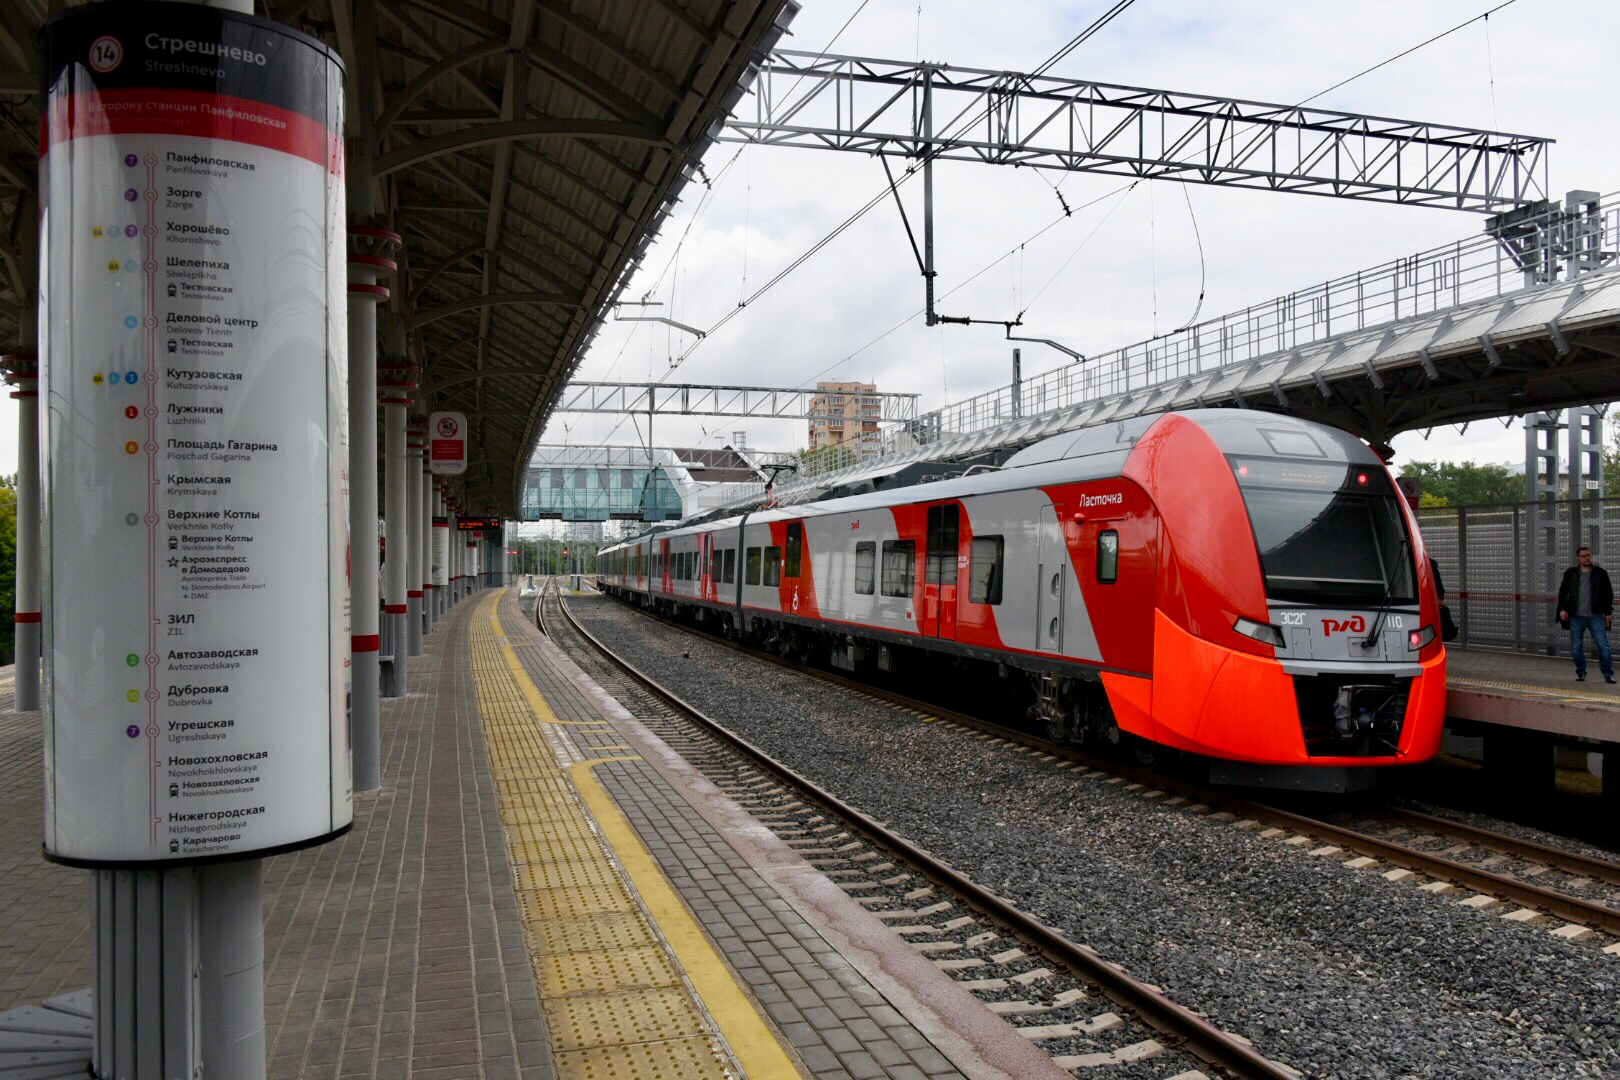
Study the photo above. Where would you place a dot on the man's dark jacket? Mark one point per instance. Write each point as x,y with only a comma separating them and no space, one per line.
1602,591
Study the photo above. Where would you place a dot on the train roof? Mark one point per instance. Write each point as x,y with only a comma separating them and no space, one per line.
1092,453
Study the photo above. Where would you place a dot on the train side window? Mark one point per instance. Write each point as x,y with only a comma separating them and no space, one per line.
728,566
795,549
773,565
752,569
866,568
899,567
984,571
1108,556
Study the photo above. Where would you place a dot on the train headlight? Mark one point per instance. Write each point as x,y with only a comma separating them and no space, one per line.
1264,633
1417,639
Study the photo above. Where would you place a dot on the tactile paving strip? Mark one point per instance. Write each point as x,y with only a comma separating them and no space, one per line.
643,1061
616,1001
654,1016
1585,697
607,930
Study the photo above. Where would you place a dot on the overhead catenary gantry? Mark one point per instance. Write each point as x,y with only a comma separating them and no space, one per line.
940,111
691,399
930,111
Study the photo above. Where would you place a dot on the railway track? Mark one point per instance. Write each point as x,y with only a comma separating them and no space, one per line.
1494,879
1044,984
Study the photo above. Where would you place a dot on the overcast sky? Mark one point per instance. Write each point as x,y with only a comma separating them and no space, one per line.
1138,273
1108,276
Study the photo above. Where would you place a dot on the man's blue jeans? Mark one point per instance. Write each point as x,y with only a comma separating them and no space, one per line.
1578,625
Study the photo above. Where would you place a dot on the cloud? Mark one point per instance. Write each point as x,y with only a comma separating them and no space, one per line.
1140,270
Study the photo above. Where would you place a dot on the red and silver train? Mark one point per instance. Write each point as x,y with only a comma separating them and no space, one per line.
1245,587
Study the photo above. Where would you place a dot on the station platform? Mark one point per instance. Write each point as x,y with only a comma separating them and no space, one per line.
541,888
1532,692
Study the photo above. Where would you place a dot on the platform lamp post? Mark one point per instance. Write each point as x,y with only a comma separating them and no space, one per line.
439,598
457,552
416,479
22,373
396,387
371,255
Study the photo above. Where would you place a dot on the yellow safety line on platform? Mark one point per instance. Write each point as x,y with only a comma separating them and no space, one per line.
1594,697
610,981
542,711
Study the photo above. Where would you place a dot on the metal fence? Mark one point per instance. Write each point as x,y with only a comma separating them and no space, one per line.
1556,244
1502,564
1543,246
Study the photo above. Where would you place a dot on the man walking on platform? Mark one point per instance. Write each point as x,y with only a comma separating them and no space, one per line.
1586,602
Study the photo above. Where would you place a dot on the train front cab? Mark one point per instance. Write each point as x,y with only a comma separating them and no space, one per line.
1295,638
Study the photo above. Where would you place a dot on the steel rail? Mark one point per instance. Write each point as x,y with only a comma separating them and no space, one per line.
1569,861
1197,1035
1575,909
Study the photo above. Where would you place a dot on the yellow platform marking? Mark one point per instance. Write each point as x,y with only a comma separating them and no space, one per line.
1590,697
617,956
531,693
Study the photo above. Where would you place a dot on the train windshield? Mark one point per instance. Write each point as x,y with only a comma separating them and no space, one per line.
1329,534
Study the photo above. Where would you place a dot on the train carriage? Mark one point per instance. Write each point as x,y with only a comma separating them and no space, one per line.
1242,586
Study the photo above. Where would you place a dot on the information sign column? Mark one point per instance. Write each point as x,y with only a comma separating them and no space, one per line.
194,344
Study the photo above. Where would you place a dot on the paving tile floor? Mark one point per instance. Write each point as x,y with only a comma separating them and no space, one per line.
395,951
399,949
836,1021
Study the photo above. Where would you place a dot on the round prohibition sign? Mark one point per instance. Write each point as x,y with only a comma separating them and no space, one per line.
106,53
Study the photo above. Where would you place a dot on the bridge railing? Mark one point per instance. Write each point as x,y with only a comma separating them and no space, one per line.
1544,248
1502,565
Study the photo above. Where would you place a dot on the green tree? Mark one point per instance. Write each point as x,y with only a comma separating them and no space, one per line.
8,567
1463,483
1611,463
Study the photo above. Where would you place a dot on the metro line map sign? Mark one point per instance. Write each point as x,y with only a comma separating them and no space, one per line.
193,333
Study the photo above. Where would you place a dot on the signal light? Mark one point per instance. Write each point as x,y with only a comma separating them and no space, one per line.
1361,478
1417,639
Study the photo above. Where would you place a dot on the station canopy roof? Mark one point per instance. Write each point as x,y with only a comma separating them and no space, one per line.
526,152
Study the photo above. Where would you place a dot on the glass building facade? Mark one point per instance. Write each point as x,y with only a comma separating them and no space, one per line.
582,492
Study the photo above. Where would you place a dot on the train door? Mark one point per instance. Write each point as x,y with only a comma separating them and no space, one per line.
941,542
1051,582
792,567
706,587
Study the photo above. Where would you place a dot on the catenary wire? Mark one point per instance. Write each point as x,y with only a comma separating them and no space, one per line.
1084,35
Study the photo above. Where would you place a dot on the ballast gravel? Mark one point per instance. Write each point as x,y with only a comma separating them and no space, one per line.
1336,972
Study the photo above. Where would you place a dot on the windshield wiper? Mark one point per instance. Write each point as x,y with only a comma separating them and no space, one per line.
1384,601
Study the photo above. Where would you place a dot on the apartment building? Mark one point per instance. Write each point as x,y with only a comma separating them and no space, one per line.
845,414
